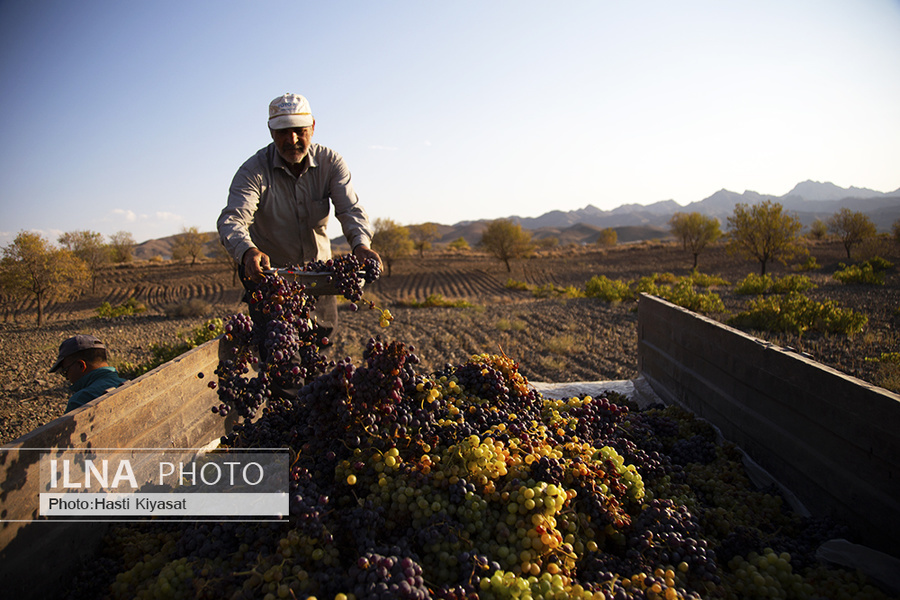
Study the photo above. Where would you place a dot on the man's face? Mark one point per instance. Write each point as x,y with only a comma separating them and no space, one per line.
293,143
72,369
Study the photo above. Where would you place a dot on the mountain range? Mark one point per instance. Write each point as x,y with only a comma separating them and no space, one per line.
808,201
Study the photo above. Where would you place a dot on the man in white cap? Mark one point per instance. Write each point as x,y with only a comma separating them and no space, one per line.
82,360
280,200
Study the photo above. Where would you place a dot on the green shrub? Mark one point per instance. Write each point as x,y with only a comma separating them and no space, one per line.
544,291
887,357
663,278
758,285
862,273
548,290
609,290
869,272
677,290
127,308
685,295
436,301
810,264
705,281
754,284
796,313
163,353
792,283
880,264
570,291
645,285
513,284
555,291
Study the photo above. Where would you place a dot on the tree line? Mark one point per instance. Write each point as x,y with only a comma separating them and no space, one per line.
31,266
762,232
765,232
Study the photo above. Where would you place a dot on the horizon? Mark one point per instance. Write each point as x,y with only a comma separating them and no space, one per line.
884,226
334,231
121,117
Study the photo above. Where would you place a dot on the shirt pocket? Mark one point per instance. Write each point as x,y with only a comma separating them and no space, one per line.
318,212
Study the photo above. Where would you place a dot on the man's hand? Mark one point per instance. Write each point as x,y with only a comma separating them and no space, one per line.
255,262
363,252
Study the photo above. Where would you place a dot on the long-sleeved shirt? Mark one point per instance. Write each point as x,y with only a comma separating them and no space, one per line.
286,217
93,385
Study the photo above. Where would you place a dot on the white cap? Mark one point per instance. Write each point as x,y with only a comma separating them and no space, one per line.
289,110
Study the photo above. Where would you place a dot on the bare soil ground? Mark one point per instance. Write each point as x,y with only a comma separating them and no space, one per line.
553,339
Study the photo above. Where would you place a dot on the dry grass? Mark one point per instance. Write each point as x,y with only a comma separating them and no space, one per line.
552,363
562,344
510,325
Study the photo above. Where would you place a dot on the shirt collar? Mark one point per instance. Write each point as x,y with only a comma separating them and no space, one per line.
90,377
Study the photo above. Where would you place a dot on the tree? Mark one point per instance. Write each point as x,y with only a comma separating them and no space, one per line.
506,240
121,245
391,241
89,247
33,266
608,238
189,243
548,243
696,231
422,236
460,244
764,232
818,230
895,231
851,227
9,297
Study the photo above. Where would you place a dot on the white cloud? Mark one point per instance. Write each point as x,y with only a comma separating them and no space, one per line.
127,215
167,216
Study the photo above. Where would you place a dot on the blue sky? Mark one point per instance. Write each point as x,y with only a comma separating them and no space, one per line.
134,116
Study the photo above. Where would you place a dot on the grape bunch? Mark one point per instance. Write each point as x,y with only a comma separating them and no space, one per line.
284,349
239,328
348,273
379,577
670,534
237,392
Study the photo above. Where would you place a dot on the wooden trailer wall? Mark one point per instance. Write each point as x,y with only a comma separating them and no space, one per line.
831,439
168,407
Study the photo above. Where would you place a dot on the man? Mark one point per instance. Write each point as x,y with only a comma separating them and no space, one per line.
278,203
82,360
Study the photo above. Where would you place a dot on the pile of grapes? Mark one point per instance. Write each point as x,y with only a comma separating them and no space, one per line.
468,483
